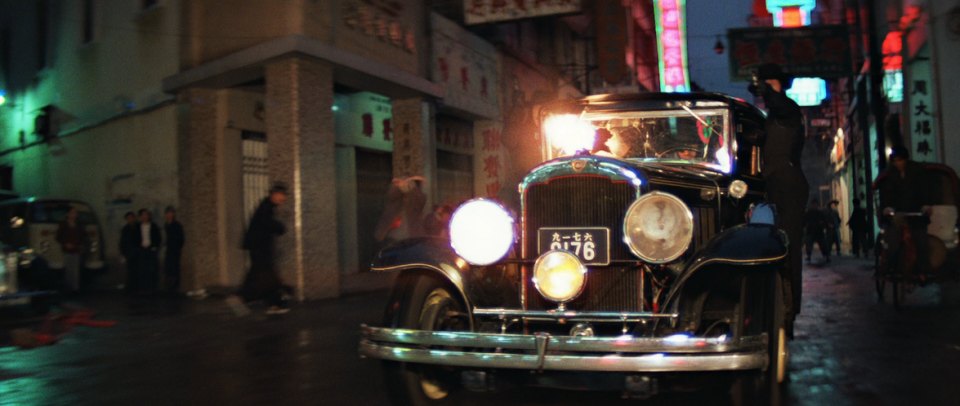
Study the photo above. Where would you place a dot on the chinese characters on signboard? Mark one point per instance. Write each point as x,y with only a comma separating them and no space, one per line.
488,11
672,45
814,51
490,173
467,67
364,119
381,19
922,128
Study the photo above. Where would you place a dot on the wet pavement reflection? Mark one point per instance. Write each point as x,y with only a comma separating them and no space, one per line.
849,350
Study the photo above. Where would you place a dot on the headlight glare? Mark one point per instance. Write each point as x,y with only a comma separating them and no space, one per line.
481,231
559,276
658,227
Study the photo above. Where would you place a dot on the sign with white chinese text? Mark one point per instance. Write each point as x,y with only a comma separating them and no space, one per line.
488,11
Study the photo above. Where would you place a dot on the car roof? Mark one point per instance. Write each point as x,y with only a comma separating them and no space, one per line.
657,100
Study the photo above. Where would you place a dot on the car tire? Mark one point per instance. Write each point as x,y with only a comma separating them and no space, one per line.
430,304
763,387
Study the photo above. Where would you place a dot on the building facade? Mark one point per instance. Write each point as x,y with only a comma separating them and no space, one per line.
204,104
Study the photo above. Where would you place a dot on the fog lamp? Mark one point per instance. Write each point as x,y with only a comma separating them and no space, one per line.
559,276
481,231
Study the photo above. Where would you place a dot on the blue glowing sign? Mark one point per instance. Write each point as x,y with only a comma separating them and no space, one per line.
808,91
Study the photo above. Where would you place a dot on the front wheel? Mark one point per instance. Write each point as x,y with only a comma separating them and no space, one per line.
763,387
430,305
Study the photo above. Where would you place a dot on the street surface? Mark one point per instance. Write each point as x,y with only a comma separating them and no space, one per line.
849,350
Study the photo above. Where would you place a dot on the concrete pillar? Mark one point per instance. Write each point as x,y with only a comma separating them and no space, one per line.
300,133
201,208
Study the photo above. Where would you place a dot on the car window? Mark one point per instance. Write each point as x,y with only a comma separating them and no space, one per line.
686,135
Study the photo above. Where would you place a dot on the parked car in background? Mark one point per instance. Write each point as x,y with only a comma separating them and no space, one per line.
632,264
28,227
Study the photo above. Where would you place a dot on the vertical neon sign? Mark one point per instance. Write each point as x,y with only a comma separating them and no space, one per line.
672,45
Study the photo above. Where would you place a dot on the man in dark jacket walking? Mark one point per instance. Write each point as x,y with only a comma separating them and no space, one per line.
171,259
787,187
262,281
129,238
814,225
858,229
148,245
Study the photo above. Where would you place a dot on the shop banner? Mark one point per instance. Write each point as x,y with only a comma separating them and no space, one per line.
922,111
364,119
815,51
467,67
488,11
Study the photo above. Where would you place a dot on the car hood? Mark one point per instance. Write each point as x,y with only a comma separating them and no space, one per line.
646,175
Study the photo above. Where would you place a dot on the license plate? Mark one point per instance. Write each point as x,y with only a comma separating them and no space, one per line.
590,244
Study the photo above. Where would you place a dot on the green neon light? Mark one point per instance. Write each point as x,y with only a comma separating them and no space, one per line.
682,27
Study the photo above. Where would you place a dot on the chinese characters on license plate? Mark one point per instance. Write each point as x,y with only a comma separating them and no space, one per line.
590,244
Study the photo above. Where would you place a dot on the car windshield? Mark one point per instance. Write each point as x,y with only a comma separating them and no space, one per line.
685,135
56,212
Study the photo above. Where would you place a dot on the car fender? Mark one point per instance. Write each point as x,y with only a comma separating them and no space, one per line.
747,245
427,254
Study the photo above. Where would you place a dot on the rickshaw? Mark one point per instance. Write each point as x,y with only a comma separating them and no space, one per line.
900,269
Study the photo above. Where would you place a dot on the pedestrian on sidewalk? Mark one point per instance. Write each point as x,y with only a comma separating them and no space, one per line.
833,226
262,281
129,239
858,229
73,242
814,226
148,246
175,240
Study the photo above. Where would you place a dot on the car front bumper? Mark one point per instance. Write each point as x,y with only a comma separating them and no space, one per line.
564,353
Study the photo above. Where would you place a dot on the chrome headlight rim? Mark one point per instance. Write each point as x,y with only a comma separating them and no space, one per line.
687,237
580,267
455,238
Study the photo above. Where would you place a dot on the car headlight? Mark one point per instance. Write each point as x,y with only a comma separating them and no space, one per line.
559,276
658,227
481,231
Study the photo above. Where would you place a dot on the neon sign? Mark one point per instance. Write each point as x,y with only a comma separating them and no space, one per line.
672,45
808,91
791,13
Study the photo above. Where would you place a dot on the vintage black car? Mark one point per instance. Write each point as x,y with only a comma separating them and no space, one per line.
642,259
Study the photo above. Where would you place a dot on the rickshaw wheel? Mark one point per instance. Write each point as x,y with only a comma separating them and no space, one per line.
879,276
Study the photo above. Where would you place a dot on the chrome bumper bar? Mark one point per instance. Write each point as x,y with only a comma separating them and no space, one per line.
573,315
564,353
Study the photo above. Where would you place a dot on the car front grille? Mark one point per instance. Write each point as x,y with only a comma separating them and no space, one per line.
585,201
